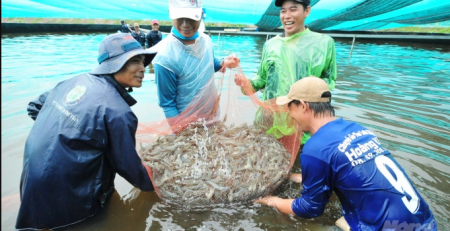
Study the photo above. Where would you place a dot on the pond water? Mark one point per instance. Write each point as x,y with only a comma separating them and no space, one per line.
398,90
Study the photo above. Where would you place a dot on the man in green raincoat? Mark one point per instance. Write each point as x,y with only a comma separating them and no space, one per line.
295,54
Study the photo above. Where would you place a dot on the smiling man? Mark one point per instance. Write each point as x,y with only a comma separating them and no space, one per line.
83,134
185,65
295,54
154,36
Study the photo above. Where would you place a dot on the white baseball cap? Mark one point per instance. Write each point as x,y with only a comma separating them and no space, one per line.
191,9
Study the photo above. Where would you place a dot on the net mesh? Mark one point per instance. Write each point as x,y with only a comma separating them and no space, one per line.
360,10
435,14
368,26
215,151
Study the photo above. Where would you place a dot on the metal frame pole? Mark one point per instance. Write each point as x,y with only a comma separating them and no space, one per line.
351,50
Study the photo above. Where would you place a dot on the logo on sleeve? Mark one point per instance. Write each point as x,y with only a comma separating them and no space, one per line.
75,95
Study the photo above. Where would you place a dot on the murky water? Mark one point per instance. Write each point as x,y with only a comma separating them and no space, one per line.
398,90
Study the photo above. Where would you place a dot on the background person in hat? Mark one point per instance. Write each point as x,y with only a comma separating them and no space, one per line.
286,58
347,158
153,38
83,134
124,27
185,63
138,35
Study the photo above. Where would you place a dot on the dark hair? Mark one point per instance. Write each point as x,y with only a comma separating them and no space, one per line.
304,5
321,108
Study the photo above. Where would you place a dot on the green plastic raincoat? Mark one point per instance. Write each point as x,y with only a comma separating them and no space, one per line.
286,60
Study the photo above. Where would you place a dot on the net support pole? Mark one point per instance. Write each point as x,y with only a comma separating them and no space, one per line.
351,50
218,39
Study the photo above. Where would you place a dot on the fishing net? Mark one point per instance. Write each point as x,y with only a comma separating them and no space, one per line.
215,151
360,10
432,15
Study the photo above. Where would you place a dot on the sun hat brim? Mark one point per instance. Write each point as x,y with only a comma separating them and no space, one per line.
113,65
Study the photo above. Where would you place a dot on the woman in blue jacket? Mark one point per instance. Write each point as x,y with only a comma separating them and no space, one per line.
83,134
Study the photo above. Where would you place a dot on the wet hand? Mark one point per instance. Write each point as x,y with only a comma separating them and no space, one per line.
269,201
296,177
241,80
231,61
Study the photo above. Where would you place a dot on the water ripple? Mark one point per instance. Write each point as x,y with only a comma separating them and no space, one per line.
398,90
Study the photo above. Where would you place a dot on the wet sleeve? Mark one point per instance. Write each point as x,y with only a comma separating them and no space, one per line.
34,107
260,80
329,72
317,187
166,84
121,149
217,66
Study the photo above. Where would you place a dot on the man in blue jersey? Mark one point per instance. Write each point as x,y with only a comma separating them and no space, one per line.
347,158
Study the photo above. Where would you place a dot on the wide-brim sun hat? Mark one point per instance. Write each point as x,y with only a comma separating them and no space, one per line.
191,9
115,50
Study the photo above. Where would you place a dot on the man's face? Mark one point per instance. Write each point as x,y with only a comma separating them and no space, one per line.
155,27
299,115
136,28
132,73
187,27
292,16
